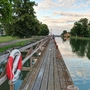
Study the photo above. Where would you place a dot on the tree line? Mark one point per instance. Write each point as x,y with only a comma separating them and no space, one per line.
81,28
18,18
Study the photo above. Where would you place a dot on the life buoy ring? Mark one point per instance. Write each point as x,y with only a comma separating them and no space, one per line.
14,65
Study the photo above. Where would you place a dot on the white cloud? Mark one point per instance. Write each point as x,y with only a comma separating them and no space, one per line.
65,4
61,14
73,14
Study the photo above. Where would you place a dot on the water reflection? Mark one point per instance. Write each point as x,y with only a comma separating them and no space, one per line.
80,47
76,56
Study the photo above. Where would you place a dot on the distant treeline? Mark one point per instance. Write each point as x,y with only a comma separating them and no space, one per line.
80,28
17,18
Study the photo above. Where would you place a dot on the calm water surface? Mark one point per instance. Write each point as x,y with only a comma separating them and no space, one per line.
76,54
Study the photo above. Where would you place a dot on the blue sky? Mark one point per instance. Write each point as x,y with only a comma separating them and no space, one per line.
60,15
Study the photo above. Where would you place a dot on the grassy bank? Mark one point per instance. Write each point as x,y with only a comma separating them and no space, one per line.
7,38
83,38
19,44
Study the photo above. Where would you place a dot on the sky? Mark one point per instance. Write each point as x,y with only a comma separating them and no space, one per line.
60,15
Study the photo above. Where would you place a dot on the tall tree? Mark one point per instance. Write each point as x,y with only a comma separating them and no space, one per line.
80,28
43,29
23,18
18,18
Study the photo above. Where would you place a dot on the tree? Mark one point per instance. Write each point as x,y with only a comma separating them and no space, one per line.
43,29
23,19
80,28
18,18
64,32
84,23
76,30
5,13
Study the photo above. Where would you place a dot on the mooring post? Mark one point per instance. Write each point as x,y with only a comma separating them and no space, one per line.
31,57
11,86
72,87
31,62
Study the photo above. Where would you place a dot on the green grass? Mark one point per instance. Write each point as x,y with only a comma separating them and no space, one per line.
83,38
7,38
22,43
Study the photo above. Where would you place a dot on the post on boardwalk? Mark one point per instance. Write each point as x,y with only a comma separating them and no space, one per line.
31,50
53,38
11,86
31,61
72,87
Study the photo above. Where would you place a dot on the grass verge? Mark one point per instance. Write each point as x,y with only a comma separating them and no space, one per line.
7,38
20,44
13,46
83,38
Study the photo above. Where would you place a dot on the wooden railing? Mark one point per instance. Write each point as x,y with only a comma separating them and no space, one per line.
32,48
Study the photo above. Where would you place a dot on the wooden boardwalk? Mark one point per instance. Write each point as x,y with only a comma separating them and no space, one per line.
50,73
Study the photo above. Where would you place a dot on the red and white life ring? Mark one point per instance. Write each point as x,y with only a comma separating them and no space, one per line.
14,65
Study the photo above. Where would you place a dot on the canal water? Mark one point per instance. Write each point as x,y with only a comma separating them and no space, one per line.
76,54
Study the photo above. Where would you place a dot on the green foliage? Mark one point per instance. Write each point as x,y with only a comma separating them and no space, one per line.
5,11
43,29
80,28
64,32
7,38
22,43
18,19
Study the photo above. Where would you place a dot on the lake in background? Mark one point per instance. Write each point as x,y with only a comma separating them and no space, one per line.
76,54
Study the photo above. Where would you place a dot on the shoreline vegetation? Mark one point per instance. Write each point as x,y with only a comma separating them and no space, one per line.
83,38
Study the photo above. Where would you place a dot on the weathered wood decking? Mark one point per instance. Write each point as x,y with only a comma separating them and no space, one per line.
50,73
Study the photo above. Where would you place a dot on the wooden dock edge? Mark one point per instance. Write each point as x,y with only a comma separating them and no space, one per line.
66,74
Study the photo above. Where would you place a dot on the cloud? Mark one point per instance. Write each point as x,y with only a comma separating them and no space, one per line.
61,14
65,4
72,14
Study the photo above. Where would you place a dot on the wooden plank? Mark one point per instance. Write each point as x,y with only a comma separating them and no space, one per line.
50,81
63,85
3,57
31,79
40,74
37,84
28,57
26,68
65,77
45,77
56,77
3,79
